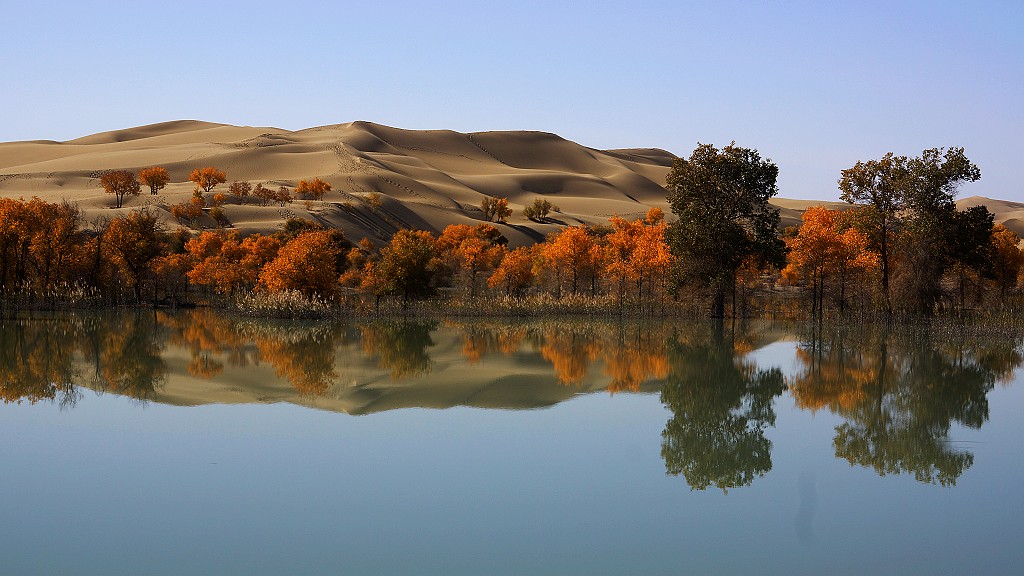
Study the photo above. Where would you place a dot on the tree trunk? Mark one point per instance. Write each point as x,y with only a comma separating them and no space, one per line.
718,303
884,253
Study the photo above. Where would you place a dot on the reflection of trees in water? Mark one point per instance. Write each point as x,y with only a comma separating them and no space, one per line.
399,346
571,349
125,351
632,353
304,355
208,334
36,360
721,405
636,353
301,353
37,356
481,338
900,394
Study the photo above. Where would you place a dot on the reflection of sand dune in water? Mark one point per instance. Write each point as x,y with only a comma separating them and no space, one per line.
425,178
522,381
513,367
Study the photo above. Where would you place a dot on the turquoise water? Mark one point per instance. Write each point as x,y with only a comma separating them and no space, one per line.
759,449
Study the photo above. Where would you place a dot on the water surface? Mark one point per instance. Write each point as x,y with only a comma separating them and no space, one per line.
194,443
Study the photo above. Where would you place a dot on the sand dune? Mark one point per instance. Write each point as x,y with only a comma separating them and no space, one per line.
423,178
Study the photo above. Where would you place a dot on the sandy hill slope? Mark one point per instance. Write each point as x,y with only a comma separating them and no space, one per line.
383,178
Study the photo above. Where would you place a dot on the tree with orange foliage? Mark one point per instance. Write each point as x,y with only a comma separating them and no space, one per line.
539,210
516,271
574,250
470,250
357,260
228,263
120,183
170,276
307,264
1007,259
314,189
156,177
495,208
405,267
824,248
637,251
280,196
187,211
240,190
14,231
40,244
206,179
212,265
55,241
133,242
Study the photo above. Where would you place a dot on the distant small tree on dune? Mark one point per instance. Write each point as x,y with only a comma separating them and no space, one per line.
217,213
186,212
120,183
283,196
539,210
206,179
156,177
240,190
314,189
495,209
280,196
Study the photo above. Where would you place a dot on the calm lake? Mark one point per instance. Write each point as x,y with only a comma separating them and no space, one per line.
197,443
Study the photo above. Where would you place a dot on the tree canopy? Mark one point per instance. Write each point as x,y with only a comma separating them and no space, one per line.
120,183
206,179
911,202
720,198
155,177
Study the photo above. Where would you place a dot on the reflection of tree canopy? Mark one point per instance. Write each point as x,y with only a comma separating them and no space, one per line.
720,407
635,354
303,354
571,350
36,359
399,346
300,352
480,339
206,334
900,393
632,352
125,351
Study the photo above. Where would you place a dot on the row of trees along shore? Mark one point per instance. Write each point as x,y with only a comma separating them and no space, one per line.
901,247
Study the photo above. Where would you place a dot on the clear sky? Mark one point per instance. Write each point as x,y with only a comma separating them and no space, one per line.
815,86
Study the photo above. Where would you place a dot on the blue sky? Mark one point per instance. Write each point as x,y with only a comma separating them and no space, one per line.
815,86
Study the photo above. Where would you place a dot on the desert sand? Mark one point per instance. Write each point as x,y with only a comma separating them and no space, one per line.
424,179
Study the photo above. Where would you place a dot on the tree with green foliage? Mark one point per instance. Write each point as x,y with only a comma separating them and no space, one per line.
879,184
720,198
911,202
405,266
539,210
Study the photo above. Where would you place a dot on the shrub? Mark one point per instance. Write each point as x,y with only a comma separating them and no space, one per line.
539,210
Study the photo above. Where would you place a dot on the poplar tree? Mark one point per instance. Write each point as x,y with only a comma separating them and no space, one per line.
720,198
